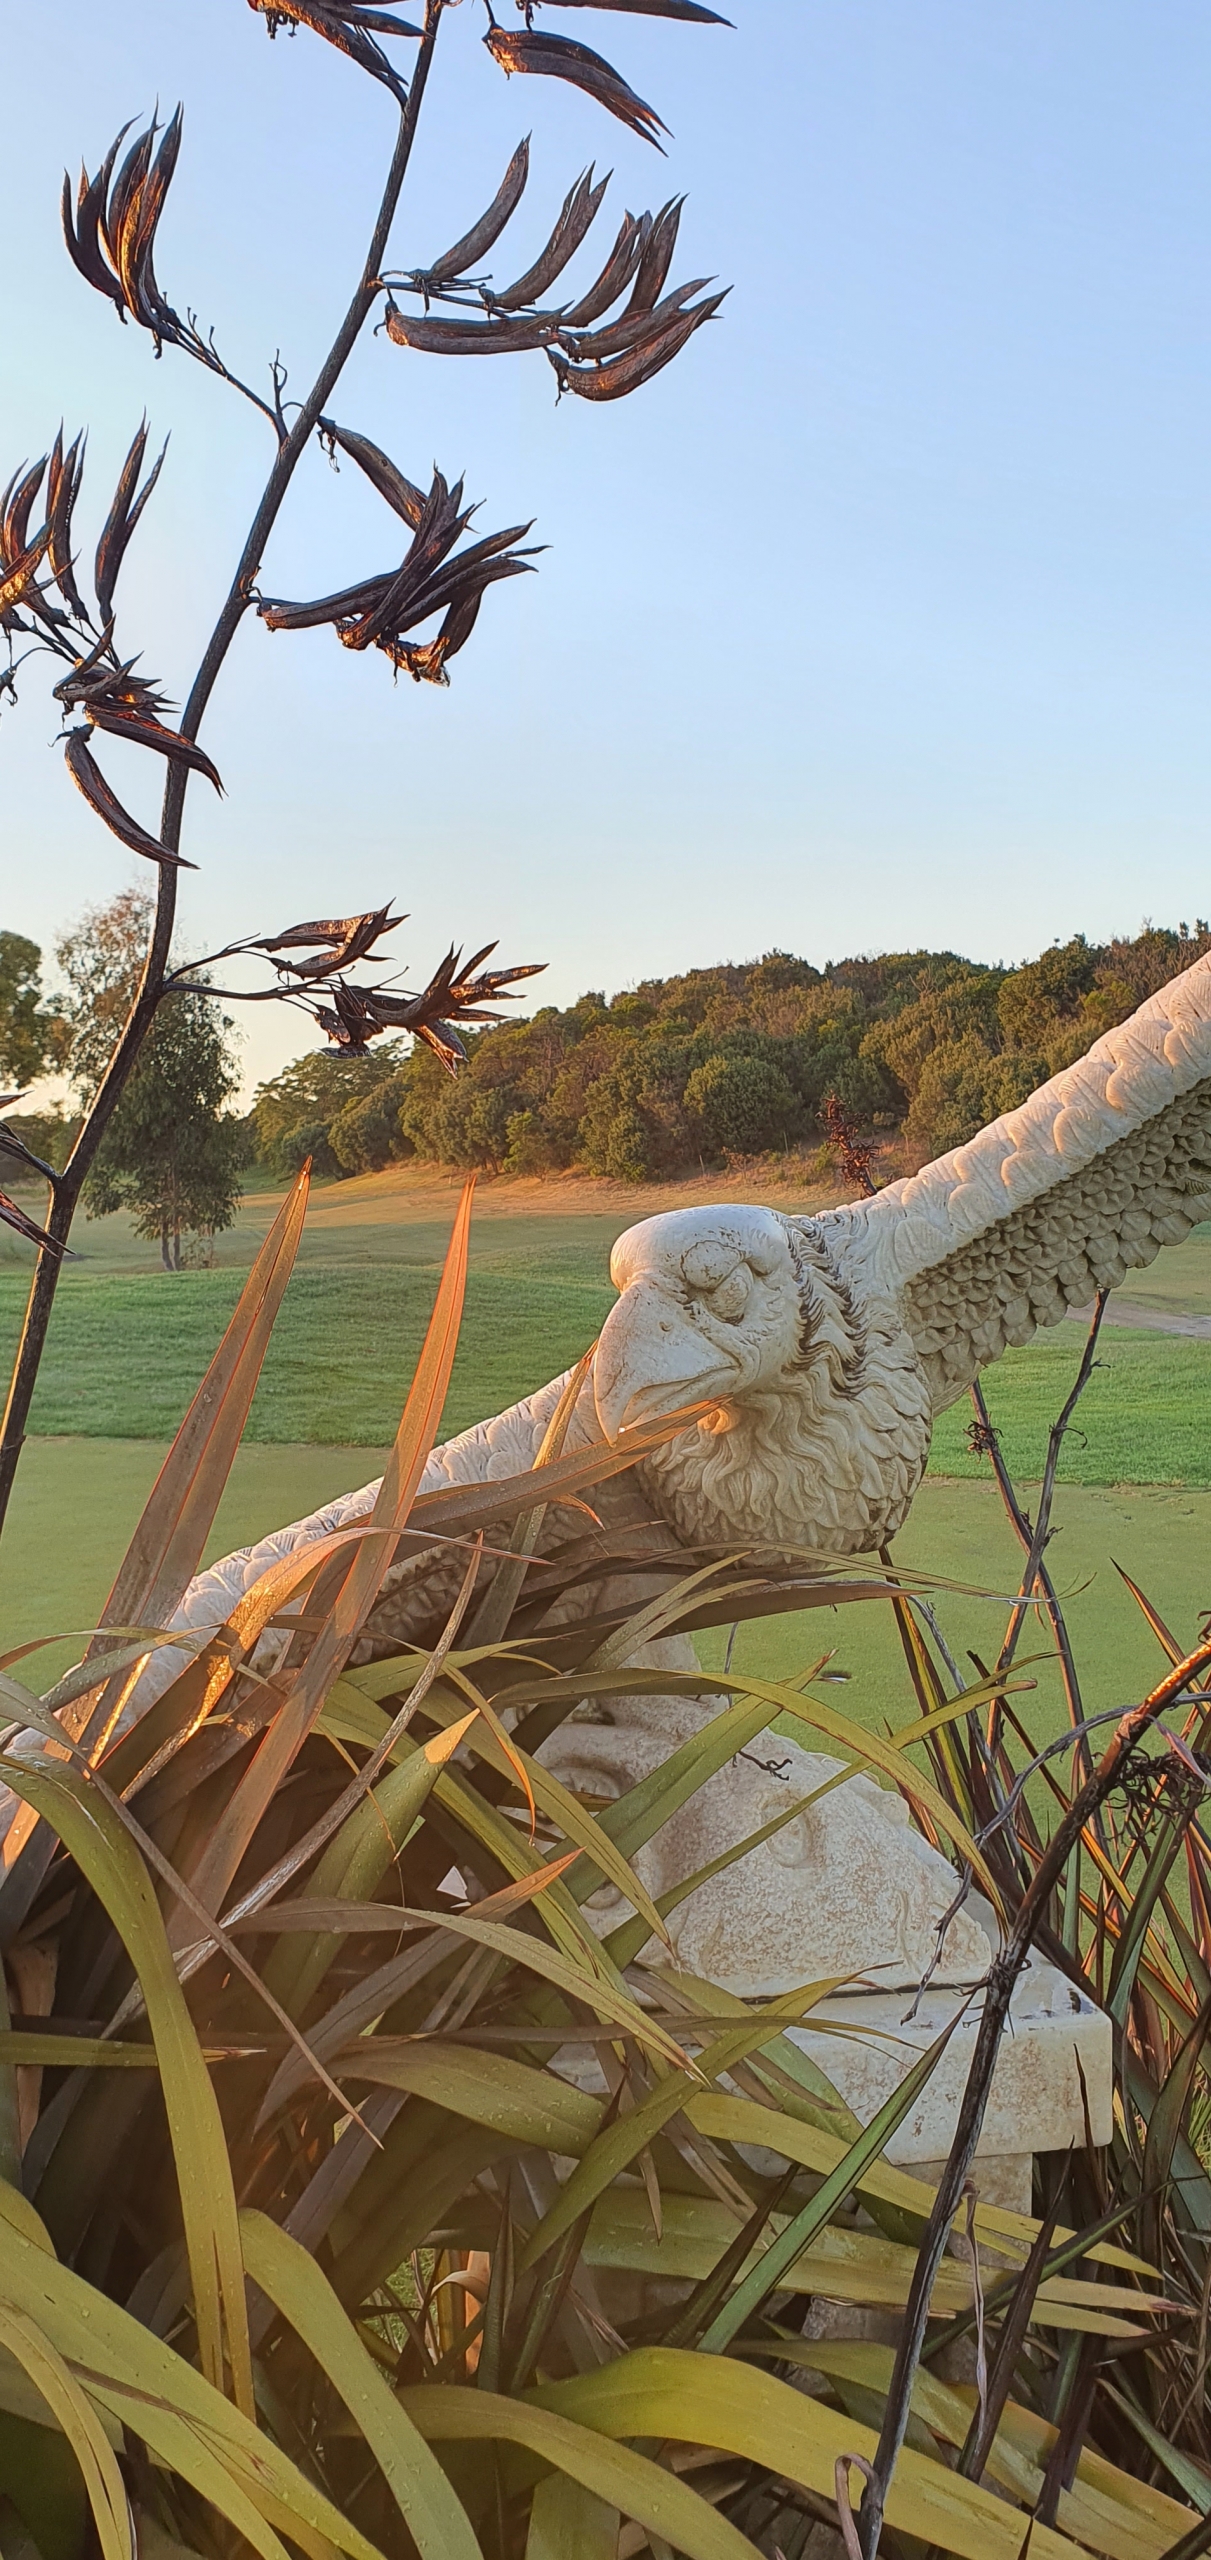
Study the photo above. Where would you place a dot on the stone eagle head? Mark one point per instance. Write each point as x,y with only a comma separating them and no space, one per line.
820,1420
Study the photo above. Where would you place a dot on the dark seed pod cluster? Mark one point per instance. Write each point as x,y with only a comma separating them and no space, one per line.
111,234
432,578
107,690
111,237
459,991
349,26
649,329
315,957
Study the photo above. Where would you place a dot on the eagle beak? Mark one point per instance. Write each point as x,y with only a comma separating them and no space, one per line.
651,1359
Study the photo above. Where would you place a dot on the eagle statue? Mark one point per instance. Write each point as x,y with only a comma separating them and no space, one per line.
817,1351
824,1345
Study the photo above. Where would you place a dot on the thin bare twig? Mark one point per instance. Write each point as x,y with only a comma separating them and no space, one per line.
1002,1978
1042,1519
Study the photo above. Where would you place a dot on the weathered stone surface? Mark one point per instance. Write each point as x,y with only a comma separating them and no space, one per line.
847,1889
821,1348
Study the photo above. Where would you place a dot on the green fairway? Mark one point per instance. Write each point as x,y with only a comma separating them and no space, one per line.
1162,1538
1143,1418
77,1501
129,1344
125,1354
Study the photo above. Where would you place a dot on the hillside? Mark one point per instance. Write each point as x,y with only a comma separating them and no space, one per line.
678,1075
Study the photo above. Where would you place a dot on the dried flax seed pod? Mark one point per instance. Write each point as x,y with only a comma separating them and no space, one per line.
471,337
558,58
484,234
625,373
579,210
89,779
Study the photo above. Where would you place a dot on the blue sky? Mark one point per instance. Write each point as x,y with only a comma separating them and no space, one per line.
880,618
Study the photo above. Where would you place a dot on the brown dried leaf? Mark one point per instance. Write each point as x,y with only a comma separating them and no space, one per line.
470,337
657,256
15,507
277,615
133,245
450,586
16,584
349,27
347,938
687,9
400,493
123,517
16,1218
425,660
83,234
627,372
62,490
635,328
143,731
616,274
579,210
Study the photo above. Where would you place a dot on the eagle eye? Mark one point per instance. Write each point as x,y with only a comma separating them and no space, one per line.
709,1262
731,1298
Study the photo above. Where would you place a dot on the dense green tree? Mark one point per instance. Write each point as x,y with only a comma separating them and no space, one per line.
33,1034
366,1134
307,1096
745,1104
173,1152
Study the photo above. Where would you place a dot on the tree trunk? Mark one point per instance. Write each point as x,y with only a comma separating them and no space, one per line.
165,1255
176,1249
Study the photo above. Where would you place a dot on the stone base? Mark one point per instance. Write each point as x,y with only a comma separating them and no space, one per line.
1001,2178
867,2043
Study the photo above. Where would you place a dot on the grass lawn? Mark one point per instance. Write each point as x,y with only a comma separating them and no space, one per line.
126,1352
129,1343
1161,1537
77,1502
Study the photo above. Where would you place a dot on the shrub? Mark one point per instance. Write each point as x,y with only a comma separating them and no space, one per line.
530,1149
744,1105
733,1059
366,1135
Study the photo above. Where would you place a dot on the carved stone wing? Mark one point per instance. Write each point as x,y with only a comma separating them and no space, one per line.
1060,1198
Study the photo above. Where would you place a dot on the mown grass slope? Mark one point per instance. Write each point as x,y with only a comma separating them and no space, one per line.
128,1345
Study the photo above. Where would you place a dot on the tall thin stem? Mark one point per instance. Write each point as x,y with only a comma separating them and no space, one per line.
1002,1977
66,1187
1042,1517
1042,1579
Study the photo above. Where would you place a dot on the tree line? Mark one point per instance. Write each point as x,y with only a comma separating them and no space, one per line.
918,1048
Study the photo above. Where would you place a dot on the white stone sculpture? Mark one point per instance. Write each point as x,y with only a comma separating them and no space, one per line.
826,1345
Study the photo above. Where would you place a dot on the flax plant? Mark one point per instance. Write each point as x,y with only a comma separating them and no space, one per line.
357,2193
